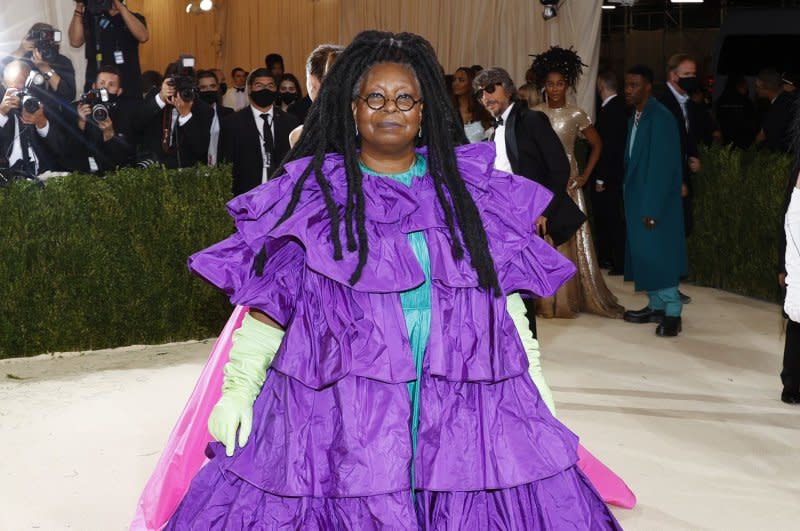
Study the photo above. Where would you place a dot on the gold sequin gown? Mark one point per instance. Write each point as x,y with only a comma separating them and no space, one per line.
586,291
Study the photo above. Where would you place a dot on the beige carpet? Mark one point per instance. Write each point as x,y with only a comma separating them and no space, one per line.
693,424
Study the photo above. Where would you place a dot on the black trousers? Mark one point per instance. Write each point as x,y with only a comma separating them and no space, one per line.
790,376
609,224
530,313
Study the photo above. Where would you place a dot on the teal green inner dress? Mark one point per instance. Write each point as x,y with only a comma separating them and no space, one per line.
416,302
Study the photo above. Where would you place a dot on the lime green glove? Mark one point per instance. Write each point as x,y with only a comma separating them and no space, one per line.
254,346
516,309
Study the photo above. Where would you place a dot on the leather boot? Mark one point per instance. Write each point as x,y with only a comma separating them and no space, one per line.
669,327
645,315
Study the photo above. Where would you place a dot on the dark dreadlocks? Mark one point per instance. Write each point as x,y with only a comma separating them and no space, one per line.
566,62
329,127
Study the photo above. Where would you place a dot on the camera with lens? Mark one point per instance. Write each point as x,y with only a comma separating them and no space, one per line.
28,95
96,7
47,42
184,78
101,103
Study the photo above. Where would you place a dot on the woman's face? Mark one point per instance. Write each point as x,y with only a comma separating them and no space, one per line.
556,87
461,83
388,129
288,86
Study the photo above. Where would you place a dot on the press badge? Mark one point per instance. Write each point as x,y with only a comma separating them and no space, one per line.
119,58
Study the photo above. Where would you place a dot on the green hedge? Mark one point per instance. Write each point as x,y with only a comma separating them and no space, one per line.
88,263
738,213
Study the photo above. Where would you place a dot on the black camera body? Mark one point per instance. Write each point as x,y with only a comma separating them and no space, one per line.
30,101
47,42
100,102
97,7
184,80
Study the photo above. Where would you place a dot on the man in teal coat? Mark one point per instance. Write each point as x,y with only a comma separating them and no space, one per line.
655,254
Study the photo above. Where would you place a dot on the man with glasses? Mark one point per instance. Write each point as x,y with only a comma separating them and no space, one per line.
526,145
256,138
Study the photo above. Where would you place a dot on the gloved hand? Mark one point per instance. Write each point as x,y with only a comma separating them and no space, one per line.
254,346
516,309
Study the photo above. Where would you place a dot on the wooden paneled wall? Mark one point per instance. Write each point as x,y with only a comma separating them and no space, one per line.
237,32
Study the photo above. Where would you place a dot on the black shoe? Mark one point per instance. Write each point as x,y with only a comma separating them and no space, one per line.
605,264
790,397
669,327
615,272
645,315
685,299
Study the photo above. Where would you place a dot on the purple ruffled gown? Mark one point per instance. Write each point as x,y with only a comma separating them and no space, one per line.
331,446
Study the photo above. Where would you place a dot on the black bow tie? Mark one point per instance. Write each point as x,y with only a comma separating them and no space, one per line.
239,89
498,122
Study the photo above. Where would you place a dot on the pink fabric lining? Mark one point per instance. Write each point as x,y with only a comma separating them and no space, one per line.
184,453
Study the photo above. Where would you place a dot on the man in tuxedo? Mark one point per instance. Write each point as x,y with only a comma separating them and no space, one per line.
681,82
29,140
776,129
175,125
236,96
256,139
208,86
526,145
612,126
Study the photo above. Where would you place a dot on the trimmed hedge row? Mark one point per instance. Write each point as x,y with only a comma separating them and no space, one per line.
88,263
738,213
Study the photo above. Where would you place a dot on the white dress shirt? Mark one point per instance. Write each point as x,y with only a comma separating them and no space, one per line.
213,144
16,147
605,101
235,99
682,99
501,161
260,128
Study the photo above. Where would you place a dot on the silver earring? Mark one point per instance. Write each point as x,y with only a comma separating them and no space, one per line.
356,129
420,131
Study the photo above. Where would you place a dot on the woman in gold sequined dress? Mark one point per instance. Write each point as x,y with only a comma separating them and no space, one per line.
558,70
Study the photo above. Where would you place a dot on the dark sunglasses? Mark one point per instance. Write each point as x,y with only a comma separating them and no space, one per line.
489,89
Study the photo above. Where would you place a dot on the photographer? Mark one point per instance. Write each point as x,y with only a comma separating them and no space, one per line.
174,123
112,35
40,49
28,139
104,139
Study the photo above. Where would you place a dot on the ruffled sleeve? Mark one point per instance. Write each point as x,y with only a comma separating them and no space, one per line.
509,206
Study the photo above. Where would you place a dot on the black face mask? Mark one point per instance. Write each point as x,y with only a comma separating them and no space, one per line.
263,97
209,96
288,97
688,84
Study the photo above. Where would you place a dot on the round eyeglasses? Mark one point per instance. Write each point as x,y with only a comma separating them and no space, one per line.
377,101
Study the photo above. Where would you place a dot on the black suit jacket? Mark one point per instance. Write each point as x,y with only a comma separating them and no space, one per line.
612,126
778,123
535,151
110,155
46,149
193,137
240,145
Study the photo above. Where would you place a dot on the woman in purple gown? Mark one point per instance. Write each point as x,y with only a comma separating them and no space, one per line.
399,396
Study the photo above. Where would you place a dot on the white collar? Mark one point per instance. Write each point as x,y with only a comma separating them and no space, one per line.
682,98
608,99
505,114
257,113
